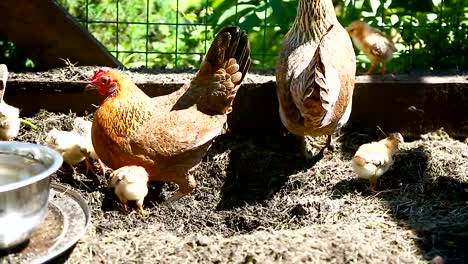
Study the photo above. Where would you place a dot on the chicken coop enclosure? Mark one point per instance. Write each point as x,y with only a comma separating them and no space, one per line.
429,34
257,199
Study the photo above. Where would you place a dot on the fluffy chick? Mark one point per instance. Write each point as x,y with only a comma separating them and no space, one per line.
375,44
9,121
130,184
373,159
9,115
69,144
83,128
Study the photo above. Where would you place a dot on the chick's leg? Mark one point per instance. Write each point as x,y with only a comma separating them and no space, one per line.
124,204
89,167
73,169
139,204
122,200
382,69
372,67
372,183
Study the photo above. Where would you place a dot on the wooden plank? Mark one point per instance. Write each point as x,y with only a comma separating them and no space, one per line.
411,104
47,33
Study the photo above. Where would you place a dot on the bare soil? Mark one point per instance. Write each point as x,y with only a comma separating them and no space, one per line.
258,201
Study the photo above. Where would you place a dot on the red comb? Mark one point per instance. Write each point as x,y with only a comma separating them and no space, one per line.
100,71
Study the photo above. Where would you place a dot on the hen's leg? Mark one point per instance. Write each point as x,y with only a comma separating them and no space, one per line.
186,186
330,144
89,167
304,149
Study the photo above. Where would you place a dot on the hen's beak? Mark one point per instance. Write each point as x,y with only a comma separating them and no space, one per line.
90,87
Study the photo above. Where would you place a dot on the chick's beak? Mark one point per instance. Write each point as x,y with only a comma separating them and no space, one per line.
90,87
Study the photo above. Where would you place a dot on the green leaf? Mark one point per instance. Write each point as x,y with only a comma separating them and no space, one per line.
374,5
436,3
394,19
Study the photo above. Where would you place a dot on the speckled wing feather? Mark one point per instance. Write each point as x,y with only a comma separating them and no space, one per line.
317,91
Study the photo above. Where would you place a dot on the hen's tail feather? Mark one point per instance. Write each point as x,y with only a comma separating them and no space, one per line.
224,68
230,42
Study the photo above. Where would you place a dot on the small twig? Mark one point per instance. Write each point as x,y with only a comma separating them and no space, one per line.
28,123
382,131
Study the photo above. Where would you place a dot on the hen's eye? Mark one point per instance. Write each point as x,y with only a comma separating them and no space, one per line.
104,80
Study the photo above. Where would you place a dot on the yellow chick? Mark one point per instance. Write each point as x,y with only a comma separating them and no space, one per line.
373,159
375,44
69,144
9,115
130,183
83,128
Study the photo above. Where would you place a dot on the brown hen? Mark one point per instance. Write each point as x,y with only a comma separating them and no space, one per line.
169,135
315,73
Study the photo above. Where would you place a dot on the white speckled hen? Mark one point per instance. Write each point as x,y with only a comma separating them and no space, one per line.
315,73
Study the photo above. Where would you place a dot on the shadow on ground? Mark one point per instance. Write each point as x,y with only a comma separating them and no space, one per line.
259,167
422,198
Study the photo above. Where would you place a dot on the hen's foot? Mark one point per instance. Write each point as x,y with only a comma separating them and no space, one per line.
89,167
309,155
186,186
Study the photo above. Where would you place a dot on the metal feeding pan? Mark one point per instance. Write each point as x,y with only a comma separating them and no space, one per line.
66,222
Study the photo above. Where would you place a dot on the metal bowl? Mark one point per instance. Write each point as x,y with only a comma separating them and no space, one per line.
24,188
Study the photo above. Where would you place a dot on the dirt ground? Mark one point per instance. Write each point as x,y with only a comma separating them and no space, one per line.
258,201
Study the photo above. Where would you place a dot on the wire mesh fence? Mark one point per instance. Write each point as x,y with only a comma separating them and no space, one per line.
175,34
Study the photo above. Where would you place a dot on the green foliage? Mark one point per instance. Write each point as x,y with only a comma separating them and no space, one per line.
168,32
265,22
433,32
13,57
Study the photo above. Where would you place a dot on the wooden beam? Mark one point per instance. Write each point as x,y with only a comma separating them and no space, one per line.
409,103
47,33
